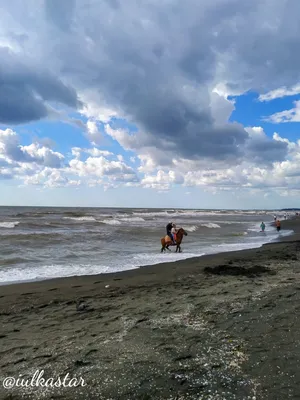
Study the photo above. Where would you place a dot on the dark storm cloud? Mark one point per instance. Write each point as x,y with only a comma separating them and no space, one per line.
151,77
265,150
24,91
158,62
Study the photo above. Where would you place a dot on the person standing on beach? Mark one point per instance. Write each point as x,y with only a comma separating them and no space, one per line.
262,227
275,217
278,226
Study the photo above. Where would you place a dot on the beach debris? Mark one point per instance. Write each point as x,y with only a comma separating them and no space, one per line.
82,306
107,286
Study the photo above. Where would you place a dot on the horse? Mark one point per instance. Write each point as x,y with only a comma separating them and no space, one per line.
166,241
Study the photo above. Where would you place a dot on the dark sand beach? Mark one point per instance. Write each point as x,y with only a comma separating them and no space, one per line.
224,326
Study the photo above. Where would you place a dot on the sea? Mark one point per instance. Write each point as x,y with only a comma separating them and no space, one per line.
38,243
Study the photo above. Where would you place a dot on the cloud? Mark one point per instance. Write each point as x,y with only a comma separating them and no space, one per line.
267,167
25,90
100,167
292,115
162,180
11,150
157,76
261,149
166,67
50,179
93,133
279,93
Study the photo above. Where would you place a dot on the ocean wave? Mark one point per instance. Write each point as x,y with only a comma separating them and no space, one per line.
171,214
89,219
33,214
153,214
210,225
9,225
192,228
42,272
132,219
111,221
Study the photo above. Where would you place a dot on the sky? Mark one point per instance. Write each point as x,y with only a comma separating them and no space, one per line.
150,103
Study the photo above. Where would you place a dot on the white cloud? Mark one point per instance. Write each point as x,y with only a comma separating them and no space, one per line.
92,108
292,115
50,178
279,93
101,167
12,151
95,152
76,152
162,180
221,108
93,133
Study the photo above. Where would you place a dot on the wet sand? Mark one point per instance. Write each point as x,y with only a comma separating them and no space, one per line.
224,326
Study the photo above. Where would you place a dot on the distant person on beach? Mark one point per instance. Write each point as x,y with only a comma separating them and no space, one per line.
169,231
275,217
262,227
278,225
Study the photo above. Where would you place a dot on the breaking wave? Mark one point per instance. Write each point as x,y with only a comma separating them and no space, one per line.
211,225
9,224
111,222
192,228
90,219
133,219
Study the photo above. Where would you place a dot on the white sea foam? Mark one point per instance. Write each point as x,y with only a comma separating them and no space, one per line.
178,213
111,221
9,225
15,274
191,228
19,274
198,213
132,219
211,225
88,219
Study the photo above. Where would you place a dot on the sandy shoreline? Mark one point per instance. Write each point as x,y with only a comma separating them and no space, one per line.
223,326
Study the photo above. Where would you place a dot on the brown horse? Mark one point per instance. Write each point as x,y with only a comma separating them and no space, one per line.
166,241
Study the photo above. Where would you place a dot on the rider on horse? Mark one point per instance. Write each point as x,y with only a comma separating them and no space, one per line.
169,228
